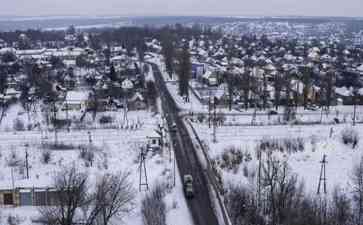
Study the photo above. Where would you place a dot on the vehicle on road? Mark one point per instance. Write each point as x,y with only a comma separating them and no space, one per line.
188,186
173,127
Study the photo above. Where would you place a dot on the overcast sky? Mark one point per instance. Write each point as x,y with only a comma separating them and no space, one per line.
183,7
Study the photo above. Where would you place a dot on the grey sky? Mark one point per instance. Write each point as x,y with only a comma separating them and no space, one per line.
182,7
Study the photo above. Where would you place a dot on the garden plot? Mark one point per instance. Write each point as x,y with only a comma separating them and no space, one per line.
302,147
94,151
18,119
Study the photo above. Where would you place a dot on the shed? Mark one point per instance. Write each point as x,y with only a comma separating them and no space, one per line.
76,100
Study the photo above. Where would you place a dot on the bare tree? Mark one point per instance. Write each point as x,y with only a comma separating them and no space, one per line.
246,83
242,206
306,79
340,209
3,87
278,85
153,207
357,180
288,111
114,197
71,194
282,188
231,82
329,81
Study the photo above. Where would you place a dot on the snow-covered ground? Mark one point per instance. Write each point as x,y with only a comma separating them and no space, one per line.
318,140
116,149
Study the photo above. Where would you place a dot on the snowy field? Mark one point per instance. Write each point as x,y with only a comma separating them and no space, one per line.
115,150
305,162
318,140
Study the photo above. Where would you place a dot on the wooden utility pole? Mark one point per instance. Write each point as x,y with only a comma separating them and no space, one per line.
54,124
215,120
26,161
254,115
125,111
209,109
174,169
355,105
142,169
67,116
259,176
89,138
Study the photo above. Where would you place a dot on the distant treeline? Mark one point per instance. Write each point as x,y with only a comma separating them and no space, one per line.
129,37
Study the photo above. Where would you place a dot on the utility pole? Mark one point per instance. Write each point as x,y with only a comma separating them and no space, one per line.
355,105
89,138
142,169
26,161
259,155
125,110
54,124
174,169
67,116
209,109
214,120
322,177
254,115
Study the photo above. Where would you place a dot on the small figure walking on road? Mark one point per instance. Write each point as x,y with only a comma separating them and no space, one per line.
331,132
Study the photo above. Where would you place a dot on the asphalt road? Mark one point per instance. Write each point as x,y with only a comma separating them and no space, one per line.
188,163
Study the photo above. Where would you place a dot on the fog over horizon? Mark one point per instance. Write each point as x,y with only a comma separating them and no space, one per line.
348,8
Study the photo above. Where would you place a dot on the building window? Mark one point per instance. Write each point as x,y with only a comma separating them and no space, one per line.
8,199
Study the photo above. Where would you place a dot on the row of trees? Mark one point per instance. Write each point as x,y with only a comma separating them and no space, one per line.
112,197
280,199
254,89
177,59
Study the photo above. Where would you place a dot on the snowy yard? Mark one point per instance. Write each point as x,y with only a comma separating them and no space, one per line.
316,140
115,150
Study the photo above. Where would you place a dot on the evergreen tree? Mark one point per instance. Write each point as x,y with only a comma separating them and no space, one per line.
168,52
184,69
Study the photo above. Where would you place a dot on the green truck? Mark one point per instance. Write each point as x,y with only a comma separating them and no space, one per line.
188,186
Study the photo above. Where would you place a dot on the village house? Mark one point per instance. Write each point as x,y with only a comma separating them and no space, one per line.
154,141
137,102
76,100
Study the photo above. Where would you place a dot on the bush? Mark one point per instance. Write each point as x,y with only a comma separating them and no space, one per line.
13,159
106,119
46,157
231,158
13,220
60,123
19,125
153,208
288,145
87,155
59,146
242,206
350,136
201,118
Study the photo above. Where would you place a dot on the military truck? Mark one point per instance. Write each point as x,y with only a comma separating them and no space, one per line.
188,186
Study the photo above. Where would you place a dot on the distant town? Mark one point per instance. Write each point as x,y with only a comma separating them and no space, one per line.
213,120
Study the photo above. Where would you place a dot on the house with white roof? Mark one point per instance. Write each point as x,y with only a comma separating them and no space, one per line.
76,100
